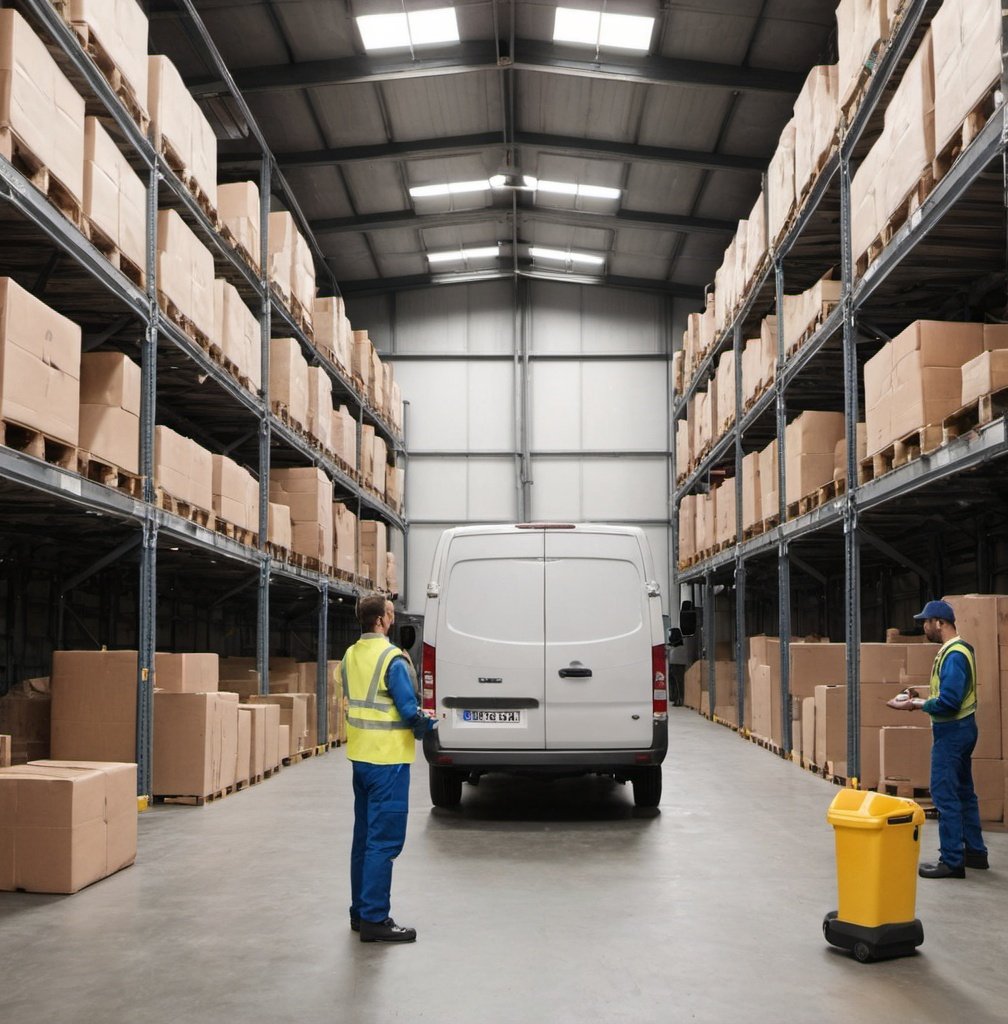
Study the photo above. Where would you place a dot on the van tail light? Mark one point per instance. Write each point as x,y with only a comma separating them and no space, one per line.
659,678
427,685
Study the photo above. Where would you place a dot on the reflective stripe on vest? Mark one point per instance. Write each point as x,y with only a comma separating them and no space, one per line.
375,731
969,701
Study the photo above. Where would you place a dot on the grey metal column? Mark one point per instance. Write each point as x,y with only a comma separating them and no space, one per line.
852,557
147,611
783,561
740,566
322,667
263,625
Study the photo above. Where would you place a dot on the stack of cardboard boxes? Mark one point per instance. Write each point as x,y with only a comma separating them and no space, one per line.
110,409
308,493
344,538
235,494
291,267
320,407
121,29
333,333
237,332
288,381
759,361
238,208
804,311
185,272
373,550
810,442
183,469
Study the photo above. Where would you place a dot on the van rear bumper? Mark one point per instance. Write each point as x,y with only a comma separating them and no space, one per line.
548,760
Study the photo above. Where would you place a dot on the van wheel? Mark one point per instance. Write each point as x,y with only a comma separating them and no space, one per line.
445,787
647,784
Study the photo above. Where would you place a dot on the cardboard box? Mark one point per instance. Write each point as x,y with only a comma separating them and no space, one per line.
244,750
115,197
344,436
320,407
293,716
830,725
111,436
905,755
38,103
280,531
862,26
284,741
65,827
725,531
808,731
840,452
373,545
238,675
172,462
816,664
176,116
816,112
687,528
765,711
984,375
290,262
883,663
768,478
988,781
40,356
344,538
724,382
367,452
756,241
288,381
186,673
195,743
237,331
235,493
94,695
333,333
185,271
781,184
238,209
5,751
120,26
967,62
379,464
810,448
257,715
25,719
870,762
110,379
307,492
875,711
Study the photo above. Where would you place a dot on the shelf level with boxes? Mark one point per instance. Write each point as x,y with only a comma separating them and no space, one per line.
114,226
911,225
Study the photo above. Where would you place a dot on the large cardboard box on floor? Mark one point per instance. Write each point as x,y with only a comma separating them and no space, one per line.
185,271
293,715
235,494
115,198
257,716
186,673
25,717
38,103
109,424
344,538
238,675
94,695
288,383
243,760
195,743
905,755
830,726
988,781
176,116
64,826
967,61
808,732
237,331
870,763
815,664
5,750
238,209
373,545
40,356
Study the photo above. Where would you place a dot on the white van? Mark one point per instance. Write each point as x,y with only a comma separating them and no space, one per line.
544,653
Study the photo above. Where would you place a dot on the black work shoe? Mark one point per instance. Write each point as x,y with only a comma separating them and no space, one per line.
941,870
385,931
976,859
355,924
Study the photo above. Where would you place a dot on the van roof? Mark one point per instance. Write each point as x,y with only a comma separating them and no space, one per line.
490,529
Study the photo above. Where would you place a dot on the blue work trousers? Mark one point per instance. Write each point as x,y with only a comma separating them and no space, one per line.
952,789
381,803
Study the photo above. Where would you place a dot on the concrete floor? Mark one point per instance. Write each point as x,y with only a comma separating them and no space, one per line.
534,902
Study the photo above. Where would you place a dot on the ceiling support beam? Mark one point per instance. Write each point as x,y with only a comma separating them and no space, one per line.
398,219
482,55
568,145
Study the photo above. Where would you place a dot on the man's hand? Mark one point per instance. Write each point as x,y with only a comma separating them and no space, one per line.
902,702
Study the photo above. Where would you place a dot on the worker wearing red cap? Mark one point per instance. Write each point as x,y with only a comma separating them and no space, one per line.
952,704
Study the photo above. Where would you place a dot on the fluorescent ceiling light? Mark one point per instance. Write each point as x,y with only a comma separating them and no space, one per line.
451,188
401,31
598,192
569,188
538,253
607,31
480,253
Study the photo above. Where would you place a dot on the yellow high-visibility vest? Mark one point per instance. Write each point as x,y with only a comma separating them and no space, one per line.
969,703
375,731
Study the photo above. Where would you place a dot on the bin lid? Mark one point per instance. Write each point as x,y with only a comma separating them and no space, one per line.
853,808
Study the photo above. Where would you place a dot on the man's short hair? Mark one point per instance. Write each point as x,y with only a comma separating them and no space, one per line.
369,610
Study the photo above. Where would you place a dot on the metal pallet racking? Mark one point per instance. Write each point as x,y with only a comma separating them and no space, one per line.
87,287
964,214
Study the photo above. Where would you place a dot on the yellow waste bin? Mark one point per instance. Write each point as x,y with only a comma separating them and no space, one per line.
877,849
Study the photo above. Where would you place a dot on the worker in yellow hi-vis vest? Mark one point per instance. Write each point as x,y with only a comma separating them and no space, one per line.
383,725
951,702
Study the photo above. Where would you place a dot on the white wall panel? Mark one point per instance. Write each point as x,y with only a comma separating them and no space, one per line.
457,406
462,489
600,490
556,490
599,406
555,320
475,319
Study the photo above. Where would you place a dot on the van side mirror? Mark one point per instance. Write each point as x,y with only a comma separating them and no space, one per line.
688,622
675,637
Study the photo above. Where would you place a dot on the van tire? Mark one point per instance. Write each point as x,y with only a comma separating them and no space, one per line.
647,786
445,787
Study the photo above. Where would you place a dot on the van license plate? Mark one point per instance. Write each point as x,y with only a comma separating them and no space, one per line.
492,717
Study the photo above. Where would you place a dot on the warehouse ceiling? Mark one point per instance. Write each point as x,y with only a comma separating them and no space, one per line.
643,160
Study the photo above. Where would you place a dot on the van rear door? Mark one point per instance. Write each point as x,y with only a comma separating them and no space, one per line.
491,642
598,642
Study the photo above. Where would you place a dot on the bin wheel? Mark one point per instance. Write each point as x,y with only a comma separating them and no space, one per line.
862,952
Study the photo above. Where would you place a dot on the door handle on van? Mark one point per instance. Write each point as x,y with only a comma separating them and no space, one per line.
575,670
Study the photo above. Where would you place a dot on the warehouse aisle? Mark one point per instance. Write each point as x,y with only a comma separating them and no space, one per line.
535,902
